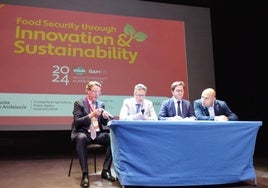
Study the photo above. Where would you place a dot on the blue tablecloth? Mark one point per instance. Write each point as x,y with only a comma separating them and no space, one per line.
168,153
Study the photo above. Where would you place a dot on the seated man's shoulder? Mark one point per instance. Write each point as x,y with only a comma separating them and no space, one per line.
220,102
165,102
197,100
79,101
147,101
186,101
127,100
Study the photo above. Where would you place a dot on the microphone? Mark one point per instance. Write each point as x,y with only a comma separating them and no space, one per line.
110,116
142,111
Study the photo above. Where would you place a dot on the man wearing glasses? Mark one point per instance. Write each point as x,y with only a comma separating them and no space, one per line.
89,117
137,107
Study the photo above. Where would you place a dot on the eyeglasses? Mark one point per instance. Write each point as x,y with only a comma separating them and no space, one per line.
179,90
96,92
140,95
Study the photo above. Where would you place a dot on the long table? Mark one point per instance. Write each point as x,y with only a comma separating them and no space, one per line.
183,153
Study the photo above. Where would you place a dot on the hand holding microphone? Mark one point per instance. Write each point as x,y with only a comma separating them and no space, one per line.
106,113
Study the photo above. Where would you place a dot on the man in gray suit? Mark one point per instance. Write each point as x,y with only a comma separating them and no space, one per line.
209,108
137,107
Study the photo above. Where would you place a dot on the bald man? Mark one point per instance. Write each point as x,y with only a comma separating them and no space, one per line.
210,108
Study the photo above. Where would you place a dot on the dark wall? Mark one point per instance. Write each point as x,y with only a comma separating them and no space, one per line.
240,40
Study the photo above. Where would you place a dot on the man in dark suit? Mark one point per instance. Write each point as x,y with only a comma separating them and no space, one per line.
176,108
209,108
89,117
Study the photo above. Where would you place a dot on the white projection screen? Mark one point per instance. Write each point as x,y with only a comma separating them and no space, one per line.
51,49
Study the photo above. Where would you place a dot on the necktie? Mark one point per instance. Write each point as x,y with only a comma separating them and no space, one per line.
93,105
94,122
206,111
138,106
93,132
179,109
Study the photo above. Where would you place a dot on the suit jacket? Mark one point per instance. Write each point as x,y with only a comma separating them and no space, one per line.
168,109
220,108
128,109
81,121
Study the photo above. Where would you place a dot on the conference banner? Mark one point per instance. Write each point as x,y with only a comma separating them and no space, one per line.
48,55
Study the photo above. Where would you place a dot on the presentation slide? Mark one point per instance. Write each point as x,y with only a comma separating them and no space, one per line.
48,55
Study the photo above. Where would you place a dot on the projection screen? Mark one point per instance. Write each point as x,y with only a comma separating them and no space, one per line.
51,49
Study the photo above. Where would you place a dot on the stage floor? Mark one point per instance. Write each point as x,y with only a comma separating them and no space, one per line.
52,172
